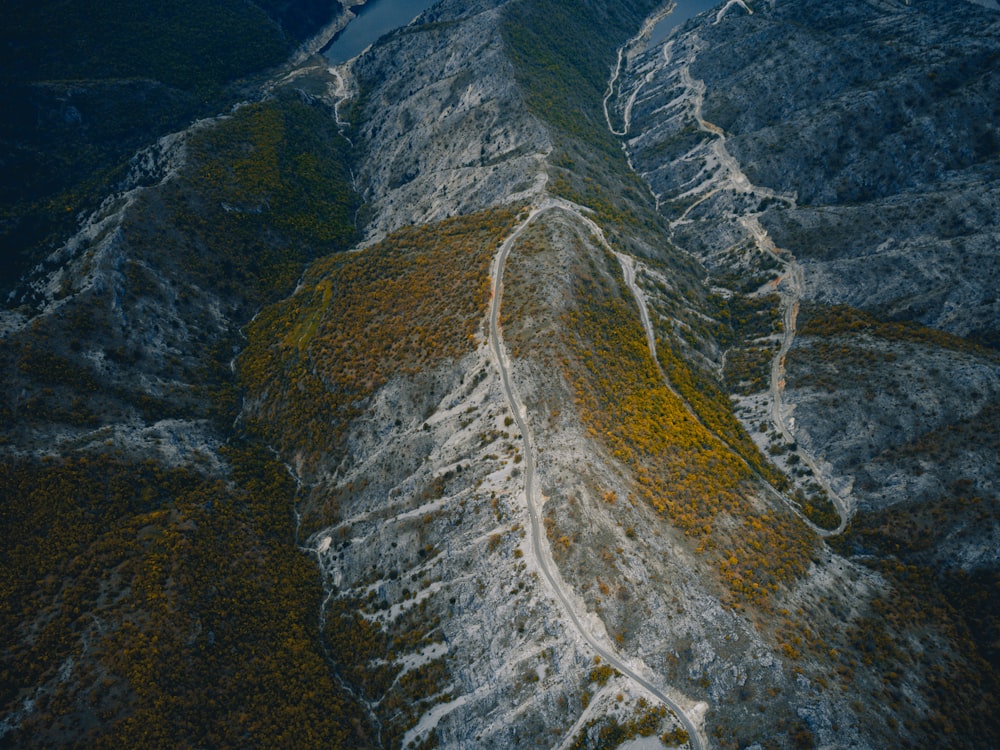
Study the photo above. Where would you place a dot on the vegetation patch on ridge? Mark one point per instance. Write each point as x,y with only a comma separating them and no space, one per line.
680,468
829,321
413,299
683,470
266,191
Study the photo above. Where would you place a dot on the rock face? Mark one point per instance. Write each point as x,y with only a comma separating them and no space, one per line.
446,128
879,121
614,422
861,114
845,157
860,139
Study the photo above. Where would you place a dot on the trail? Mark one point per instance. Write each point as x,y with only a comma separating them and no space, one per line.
623,53
340,91
723,172
790,288
628,270
725,9
545,563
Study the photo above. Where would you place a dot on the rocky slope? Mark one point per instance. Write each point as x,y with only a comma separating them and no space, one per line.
623,540
444,125
845,158
141,535
876,183
573,438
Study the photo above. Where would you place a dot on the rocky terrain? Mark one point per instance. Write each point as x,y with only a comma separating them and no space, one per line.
516,385
879,202
447,132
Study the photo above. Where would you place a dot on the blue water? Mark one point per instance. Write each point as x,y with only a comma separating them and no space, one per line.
376,18
685,9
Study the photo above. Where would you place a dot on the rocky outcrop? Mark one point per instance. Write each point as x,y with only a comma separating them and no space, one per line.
443,124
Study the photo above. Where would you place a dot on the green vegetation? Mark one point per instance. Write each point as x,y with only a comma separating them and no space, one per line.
607,732
748,369
824,321
746,321
149,606
714,408
183,43
817,507
942,609
601,673
399,307
959,685
974,595
179,602
675,737
85,84
681,469
265,192
563,53
947,612
366,657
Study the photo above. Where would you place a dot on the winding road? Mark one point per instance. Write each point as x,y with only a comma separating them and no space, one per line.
790,307
545,563
790,287
623,52
728,175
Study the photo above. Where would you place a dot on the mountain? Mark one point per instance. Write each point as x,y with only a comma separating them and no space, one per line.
84,85
517,383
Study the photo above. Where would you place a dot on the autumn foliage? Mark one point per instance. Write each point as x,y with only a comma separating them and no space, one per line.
416,298
680,467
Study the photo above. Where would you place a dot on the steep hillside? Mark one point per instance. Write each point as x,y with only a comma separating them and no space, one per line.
621,432
516,385
84,85
153,591
841,160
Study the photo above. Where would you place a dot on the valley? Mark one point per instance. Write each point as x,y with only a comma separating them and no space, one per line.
526,380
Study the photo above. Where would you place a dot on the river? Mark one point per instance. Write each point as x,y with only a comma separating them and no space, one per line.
376,18
685,9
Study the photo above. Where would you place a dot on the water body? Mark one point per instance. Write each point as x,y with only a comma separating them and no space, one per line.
376,18
685,9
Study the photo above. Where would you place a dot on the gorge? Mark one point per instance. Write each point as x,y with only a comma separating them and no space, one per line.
525,380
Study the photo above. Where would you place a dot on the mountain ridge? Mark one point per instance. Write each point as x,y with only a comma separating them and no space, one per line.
388,417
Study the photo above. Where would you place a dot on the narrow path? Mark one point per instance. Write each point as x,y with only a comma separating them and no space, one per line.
545,563
726,174
341,91
725,9
777,381
790,288
790,307
585,716
628,271
623,53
